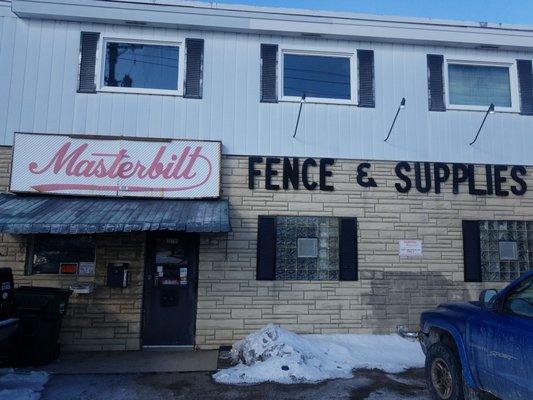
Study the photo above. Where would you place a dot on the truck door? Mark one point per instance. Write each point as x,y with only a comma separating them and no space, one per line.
501,345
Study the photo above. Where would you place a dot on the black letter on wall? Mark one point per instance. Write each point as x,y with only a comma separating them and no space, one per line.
440,178
472,182
269,173
457,179
291,172
427,177
499,179
362,175
252,172
324,173
399,167
523,186
309,162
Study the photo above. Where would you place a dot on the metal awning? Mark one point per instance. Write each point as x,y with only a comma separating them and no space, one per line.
21,214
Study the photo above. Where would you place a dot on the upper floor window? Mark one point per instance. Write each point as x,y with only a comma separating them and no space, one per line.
321,77
474,85
141,67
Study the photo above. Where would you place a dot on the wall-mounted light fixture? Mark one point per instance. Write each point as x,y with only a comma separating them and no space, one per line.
302,101
401,107
489,111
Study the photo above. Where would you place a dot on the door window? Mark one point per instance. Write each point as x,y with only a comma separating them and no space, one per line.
520,301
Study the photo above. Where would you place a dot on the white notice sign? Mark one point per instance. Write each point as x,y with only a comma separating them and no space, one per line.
410,248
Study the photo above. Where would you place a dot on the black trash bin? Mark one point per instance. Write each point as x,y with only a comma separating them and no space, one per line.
41,311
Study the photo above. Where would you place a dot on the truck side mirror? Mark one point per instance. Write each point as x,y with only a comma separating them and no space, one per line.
487,299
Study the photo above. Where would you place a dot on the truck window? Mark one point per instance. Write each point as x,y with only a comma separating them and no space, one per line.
520,301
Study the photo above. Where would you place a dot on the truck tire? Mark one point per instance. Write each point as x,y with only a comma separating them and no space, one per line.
444,377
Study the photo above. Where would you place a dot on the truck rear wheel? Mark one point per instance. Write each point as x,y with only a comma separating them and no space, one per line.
443,373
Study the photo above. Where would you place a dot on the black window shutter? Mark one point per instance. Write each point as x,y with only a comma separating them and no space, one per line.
266,249
365,62
471,251
88,44
348,249
525,79
436,82
269,69
194,68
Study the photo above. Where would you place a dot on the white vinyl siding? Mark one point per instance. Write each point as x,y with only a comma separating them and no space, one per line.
39,78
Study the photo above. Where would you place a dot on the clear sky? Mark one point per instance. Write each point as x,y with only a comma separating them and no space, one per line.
506,11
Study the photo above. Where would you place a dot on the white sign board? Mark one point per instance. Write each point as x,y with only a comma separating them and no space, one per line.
117,167
410,248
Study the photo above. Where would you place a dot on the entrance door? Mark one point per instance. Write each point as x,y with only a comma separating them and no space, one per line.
170,289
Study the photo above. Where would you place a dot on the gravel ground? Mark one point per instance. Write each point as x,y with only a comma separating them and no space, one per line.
375,385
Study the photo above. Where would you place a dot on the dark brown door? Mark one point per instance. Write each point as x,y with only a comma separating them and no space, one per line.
170,289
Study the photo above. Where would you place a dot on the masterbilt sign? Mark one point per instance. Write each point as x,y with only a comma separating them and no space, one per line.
499,180
88,165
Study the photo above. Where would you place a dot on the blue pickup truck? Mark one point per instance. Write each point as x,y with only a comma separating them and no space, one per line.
481,347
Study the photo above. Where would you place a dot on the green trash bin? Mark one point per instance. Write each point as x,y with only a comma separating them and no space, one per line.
41,311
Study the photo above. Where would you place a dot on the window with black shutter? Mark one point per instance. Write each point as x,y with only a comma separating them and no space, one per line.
266,249
194,68
435,65
137,67
348,249
497,250
307,248
365,60
320,77
269,67
525,81
88,48
471,251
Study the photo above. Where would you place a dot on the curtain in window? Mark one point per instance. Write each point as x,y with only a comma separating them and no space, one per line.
479,85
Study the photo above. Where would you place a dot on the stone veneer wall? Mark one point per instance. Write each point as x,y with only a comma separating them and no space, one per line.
231,303
108,319
391,290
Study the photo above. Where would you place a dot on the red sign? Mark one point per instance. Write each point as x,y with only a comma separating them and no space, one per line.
68,268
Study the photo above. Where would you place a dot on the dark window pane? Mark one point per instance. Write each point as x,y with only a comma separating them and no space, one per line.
520,301
316,76
479,85
51,250
141,66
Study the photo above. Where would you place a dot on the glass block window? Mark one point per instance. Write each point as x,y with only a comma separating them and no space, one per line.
291,263
506,249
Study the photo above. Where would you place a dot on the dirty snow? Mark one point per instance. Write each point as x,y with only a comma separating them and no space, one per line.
21,385
274,354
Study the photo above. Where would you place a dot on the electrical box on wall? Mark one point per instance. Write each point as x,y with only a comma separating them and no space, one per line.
117,275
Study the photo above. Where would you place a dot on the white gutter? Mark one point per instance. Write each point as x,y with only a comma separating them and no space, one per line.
274,21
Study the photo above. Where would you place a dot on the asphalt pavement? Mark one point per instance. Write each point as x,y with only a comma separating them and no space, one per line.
375,385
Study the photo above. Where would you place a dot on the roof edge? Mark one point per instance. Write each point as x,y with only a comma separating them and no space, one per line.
280,21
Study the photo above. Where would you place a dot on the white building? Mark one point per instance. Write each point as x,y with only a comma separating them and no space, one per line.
352,232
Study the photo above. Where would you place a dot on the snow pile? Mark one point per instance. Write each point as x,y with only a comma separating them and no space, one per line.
277,355
21,385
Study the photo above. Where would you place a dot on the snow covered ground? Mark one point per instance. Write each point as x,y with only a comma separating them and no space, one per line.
21,385
274,354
